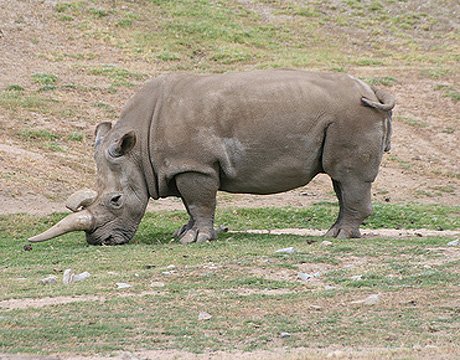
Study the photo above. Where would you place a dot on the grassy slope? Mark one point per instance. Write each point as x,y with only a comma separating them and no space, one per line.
111,48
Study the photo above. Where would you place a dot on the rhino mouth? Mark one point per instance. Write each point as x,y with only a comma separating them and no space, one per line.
110,236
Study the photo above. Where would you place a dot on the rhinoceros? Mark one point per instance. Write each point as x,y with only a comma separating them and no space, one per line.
260,132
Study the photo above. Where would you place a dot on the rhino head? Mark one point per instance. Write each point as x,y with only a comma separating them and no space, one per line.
110,215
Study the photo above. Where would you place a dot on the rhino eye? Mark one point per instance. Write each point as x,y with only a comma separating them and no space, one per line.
116,201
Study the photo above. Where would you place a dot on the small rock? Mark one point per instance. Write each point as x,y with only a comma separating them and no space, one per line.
67,278
157,284
284,335
167,273
454,243
336,354
356,277
288,250
171,267
315,307
305,276
50,280
27,247
326,243
330,287
203,315
370,300
82,276
123,285
222,229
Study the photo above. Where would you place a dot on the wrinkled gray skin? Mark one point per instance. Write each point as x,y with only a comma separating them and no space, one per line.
259,132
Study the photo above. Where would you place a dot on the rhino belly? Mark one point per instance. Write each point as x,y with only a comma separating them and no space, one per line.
268,171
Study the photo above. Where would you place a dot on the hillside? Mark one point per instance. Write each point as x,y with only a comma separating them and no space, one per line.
66,66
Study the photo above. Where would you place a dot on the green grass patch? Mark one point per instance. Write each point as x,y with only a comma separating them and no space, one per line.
14,87
14,100
252,292
37,134
44,79
411,121
448,91
76,136
385,81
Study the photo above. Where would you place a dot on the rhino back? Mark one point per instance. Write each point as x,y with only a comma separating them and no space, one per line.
260,132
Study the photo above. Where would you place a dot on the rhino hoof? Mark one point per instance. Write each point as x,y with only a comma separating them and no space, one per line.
196,235
343,233
189,237
204,237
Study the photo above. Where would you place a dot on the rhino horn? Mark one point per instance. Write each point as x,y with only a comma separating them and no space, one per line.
80,221
82,198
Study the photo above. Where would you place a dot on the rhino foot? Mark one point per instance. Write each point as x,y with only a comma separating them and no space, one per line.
182,230
197,235
343,232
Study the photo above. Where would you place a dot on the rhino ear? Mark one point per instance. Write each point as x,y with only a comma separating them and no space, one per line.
101,131
123,145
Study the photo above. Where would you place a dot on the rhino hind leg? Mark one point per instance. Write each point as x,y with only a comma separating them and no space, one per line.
355,206
198,192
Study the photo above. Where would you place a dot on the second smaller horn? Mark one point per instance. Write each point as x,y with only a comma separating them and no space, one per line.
81,199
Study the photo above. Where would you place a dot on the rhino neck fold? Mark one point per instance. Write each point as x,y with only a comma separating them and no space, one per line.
150,175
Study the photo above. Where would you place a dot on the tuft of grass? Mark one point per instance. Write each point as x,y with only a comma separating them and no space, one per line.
37,134
99,12
44,79
14,87
14,100
448,91
120,77
168,56
435,73
411,121
403,164
76,136
368,62
385,80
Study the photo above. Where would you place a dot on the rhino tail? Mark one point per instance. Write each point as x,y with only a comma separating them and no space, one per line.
386,100
388,131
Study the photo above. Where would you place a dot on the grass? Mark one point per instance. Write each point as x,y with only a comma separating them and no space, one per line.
448,91
252,292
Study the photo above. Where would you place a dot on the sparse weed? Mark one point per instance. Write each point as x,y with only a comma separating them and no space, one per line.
76,136
14,87
385,81
14,100
414,122
448,91
44,79
37,134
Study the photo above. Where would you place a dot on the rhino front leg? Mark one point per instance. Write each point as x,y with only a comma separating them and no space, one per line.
198,192
355,205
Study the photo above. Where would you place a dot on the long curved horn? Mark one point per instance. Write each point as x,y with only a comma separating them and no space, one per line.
82,198
80,221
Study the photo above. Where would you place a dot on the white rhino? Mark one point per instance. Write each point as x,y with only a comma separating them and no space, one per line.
260,132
